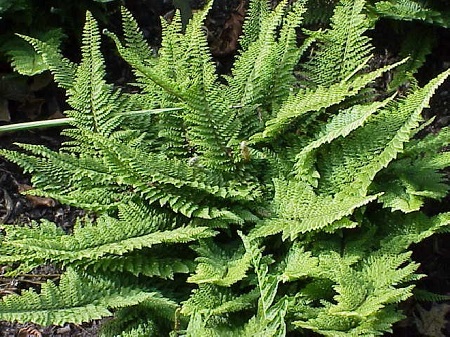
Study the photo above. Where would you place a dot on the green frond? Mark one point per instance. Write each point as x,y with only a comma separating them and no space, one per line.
343,47
256,13
409,181
319,11
134,38
298,209
430,144
24,58
206,297
93,100
309,100
237,303
427,296
78,298
219,266
339,126
210,123
80,181
216,300
143,70
263,50
299,264
402,230
200,326
145,263
416,54
376,144
256,71
270,317
289,54
106,238
272,325
363,292
408,10
152,317
62,68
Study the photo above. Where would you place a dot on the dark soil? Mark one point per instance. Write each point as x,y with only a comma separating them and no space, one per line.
43,101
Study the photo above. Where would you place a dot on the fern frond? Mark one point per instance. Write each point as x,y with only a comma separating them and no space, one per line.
378,147
93,100
298,209
314,100
360,293
216,300
91,242
299,264
25,59
55,169
134,38
411,228
431,143
408,182
219,266
270,317
266,66
289,54
342,48
427,296
145,263
153,317
256,13
62,68
408,10
78,298
339,126
251,78
416,54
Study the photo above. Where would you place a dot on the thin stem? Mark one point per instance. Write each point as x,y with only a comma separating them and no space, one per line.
66,121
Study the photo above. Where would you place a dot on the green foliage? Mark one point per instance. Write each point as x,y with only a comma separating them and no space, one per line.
77,298
47,21
428,11
190,202
24,58
341,49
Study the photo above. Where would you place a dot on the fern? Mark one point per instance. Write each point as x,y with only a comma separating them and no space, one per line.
216,266
62,68
281,197
24,59
343,47
87,243
77,299
409,10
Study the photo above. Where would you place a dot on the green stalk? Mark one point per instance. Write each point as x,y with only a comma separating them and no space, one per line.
51,123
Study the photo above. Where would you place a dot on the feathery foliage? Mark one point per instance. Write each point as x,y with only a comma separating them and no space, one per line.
190,201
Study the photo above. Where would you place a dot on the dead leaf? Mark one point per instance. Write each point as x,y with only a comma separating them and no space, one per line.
432,322
29,332
35,200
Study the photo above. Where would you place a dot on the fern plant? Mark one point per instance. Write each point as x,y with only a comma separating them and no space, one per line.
281,197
